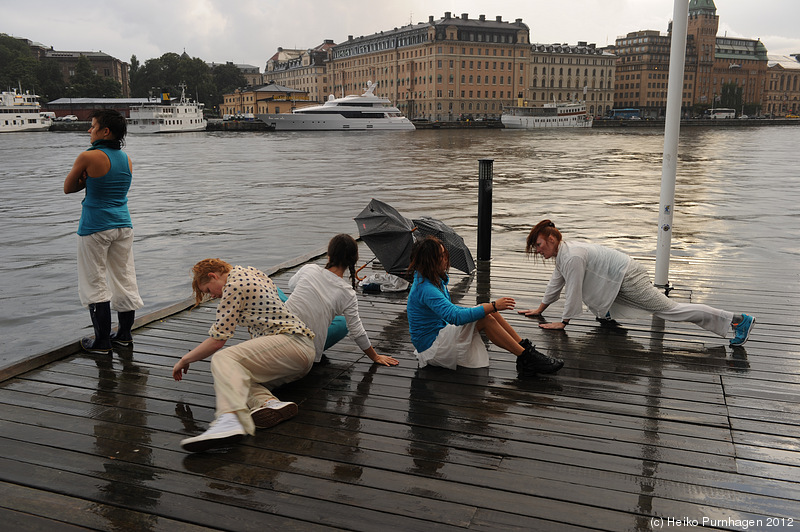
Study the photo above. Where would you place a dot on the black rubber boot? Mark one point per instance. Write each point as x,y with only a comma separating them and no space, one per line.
123,334
101,321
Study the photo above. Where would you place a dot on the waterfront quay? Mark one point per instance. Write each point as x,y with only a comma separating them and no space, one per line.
259,126
648,426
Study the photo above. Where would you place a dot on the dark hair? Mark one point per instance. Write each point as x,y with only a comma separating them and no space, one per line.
343,252
115,123
426,259
545,229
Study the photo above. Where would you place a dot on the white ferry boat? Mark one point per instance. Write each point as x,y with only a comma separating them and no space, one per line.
352,112
572,114
167,116
21,112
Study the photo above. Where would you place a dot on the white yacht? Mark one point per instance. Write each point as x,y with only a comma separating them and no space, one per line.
572,114
21,112
167,116
354,113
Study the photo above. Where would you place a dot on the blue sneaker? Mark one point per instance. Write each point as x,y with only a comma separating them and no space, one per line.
743,330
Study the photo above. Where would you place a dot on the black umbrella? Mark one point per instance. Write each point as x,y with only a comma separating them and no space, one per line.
388,235
460,256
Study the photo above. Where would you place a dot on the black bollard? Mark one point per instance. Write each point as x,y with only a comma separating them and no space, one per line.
485,209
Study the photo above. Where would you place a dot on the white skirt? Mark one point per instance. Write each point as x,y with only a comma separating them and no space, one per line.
456,345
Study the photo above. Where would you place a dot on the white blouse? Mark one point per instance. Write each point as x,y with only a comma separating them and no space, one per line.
318,295
591,274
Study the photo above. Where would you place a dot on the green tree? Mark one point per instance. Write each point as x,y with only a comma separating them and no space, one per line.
134,66
168,72
227,78
51,82
86,83
17,65
157,75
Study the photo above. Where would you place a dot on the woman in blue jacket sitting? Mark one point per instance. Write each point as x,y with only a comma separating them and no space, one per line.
447,335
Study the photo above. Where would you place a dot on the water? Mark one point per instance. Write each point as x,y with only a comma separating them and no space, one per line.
263,198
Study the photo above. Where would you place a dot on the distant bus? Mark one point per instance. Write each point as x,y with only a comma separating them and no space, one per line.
721,112
625,114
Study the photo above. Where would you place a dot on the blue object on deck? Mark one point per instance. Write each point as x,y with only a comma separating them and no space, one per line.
336,331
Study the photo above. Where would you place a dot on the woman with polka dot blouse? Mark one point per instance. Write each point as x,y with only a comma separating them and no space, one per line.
280,350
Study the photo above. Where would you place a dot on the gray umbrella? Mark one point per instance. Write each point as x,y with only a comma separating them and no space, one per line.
460,256
388,235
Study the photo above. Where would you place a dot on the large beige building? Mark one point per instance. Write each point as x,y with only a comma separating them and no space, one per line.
302,70
452,68
444,69
782,93
560,72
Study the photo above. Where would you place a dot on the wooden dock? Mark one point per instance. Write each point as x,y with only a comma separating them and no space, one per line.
649,426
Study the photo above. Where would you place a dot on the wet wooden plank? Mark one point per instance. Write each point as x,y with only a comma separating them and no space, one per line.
30,509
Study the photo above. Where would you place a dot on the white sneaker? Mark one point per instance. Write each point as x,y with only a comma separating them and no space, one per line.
272,413
224,431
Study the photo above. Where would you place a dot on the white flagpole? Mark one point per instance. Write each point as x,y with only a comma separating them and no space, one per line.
672,127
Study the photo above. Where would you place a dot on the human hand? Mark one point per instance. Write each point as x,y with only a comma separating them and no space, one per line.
179,369
531,313
385,360
556,325
505,303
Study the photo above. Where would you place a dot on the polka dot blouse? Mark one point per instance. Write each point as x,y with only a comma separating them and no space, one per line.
250,299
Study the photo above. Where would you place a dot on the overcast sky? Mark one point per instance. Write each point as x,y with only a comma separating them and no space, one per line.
250,31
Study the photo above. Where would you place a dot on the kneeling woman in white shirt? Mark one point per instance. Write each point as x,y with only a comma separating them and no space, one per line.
319,294
613,285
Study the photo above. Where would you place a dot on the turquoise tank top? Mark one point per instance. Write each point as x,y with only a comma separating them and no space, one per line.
105,205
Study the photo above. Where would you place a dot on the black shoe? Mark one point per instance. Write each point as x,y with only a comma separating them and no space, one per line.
531,362
525,343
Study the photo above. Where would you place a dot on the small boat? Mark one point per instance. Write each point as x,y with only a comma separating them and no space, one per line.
571,114
350,113
167,115
22,112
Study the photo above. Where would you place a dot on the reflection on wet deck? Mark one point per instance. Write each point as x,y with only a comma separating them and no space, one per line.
647,420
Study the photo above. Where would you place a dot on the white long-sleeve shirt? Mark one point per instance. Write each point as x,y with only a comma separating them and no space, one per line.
591,274
318,295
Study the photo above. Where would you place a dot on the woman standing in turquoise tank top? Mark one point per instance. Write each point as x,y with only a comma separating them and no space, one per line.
106,273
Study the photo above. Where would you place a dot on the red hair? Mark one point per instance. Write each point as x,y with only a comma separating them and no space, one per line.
201,271
545,229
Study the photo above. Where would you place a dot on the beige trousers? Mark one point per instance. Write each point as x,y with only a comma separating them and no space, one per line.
106,270
239,371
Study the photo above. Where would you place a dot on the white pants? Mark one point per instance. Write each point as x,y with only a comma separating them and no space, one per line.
456,345
106,271
709,318
239,371
638,292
